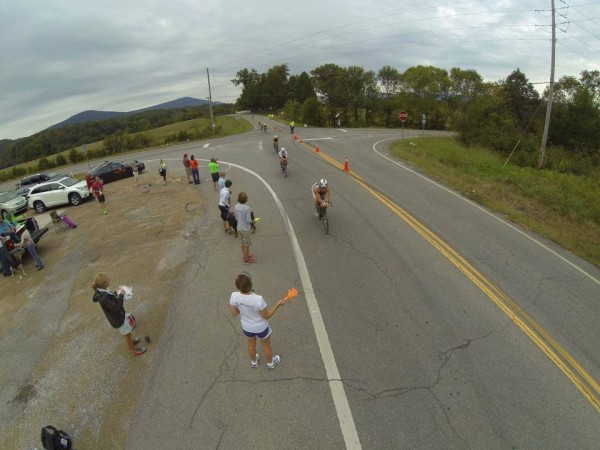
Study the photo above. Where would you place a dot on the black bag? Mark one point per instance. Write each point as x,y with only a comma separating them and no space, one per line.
53,439
232,220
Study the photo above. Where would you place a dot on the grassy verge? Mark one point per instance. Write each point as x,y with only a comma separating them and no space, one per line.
564,208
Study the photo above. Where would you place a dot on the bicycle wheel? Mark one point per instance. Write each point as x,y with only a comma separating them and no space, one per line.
285,170
325,221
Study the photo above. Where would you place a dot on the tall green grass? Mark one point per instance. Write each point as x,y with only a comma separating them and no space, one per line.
562,207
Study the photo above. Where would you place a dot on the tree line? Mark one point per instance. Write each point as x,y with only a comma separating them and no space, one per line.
506,116
118,134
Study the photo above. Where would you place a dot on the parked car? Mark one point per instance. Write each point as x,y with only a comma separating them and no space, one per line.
65,190
25,190
112,171
37,178
11,203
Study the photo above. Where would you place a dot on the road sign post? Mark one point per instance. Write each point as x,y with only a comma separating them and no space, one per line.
403,116
424,121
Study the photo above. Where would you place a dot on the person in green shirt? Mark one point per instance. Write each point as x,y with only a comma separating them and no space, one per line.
213,167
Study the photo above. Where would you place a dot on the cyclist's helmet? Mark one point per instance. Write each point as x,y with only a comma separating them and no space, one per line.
275,135
322,183
283,149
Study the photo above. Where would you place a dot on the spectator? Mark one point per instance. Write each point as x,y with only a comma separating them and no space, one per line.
221,181
89,180
4,259
136,173
8,229
224,203
253,312
213,167
98,190
194,168
162,170
188,168
112,305
27,243
244,219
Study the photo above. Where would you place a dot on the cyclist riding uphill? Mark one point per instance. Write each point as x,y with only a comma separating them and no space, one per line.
283,154
320,191
276,143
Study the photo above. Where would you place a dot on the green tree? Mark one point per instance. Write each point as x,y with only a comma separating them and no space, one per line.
302,88
74,156
61,160
275,87
311,112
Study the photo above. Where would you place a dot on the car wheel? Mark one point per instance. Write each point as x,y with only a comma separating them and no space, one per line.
39,206
74,199
4,214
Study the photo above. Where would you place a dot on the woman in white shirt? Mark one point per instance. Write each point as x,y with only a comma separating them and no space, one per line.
253,312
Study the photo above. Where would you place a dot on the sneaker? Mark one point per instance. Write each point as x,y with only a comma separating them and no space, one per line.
105,211
40,267
276,360
249,261
139,351
254,363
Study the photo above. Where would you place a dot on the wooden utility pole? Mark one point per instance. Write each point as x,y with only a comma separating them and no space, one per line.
212,119
540,162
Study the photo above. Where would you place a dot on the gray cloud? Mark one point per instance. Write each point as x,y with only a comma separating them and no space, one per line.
62,57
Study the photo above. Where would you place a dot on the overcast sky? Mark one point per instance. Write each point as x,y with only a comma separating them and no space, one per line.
62,57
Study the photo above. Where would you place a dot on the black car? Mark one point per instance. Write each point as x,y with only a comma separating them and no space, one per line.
32,180
112,171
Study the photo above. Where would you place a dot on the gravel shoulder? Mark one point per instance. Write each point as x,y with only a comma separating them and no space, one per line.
62,363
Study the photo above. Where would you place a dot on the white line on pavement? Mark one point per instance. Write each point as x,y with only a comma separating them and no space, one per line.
573,265
206,145
336,385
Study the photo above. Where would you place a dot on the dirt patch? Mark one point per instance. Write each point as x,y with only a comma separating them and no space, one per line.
62,362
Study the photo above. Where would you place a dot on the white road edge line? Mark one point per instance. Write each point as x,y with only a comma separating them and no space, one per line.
545,247
336,386
206,145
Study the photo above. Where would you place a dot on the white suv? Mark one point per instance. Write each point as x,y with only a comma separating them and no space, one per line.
57,192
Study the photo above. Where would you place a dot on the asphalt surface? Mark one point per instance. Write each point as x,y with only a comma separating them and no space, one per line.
426,359
403,335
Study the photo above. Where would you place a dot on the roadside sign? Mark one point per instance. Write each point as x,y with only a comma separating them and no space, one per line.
403,116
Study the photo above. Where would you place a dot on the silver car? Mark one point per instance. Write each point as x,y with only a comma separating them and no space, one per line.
11,203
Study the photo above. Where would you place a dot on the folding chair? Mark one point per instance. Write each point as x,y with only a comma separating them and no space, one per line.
59,225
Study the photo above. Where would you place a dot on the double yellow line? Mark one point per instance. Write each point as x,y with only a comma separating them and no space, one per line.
557,354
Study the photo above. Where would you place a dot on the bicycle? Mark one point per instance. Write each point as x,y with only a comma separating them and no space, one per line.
276,146
323,217
284,164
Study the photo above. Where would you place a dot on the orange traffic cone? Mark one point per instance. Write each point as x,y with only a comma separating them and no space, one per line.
295,137
346,168
317,149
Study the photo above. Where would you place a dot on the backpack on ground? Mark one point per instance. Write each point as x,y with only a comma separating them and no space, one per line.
53,439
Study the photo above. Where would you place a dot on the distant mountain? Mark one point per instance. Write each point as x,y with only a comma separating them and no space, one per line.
88,116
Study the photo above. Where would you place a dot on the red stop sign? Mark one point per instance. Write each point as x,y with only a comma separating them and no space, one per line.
403,116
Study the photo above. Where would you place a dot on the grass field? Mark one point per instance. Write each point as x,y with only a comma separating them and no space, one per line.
564,208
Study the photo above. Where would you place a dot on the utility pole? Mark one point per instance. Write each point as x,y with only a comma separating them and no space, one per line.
540,162
212,120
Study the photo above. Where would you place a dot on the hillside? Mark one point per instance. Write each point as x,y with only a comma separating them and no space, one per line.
92,115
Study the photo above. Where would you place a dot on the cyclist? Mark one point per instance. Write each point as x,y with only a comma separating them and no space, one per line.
283,154
320,191
276,143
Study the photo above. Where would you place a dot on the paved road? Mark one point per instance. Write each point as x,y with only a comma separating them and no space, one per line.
425,321
427,355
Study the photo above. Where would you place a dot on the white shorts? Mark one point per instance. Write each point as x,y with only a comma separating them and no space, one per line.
127,326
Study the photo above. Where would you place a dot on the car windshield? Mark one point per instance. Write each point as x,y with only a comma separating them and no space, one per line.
68,181
7,196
